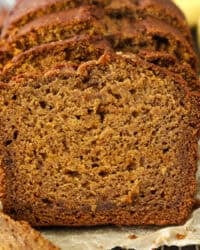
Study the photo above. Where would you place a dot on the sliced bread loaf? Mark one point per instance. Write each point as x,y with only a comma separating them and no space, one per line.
112,142
26,11
125,34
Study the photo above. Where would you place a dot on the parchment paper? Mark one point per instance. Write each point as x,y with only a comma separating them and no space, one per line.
105,238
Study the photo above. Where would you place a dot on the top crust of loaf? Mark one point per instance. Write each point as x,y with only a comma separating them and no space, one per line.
75,15
86,48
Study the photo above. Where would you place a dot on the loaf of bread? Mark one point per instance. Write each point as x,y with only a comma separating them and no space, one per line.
99,113
20,236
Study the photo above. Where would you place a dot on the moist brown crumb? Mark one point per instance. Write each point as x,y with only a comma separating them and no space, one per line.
102,144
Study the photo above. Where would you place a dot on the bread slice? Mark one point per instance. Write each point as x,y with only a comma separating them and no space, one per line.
112,142
81,49
26,11
59,26
55,55
125,34
20,236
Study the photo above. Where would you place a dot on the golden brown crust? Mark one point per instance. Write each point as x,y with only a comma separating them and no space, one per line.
90,195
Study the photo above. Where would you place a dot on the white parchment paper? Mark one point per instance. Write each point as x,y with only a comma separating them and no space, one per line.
106,238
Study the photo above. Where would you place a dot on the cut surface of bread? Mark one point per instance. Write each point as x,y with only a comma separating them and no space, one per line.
112,142
20,236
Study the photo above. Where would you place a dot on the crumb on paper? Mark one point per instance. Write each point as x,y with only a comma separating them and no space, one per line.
100,247
180,236
132,237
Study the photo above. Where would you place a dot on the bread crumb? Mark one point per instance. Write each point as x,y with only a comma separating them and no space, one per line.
180,236
132,237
